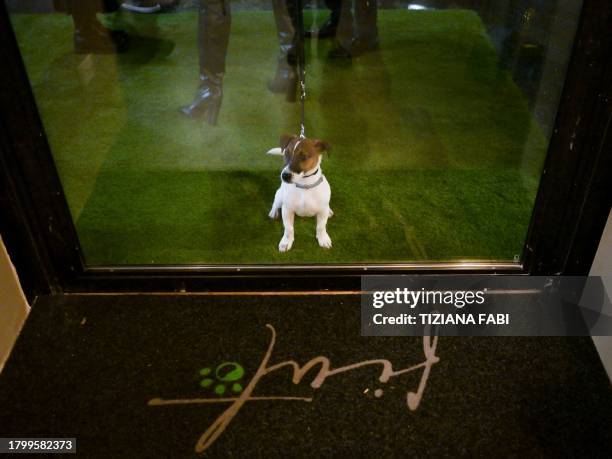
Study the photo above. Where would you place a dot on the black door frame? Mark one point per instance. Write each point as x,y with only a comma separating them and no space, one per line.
569,215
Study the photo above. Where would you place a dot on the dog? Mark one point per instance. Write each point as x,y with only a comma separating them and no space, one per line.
304,190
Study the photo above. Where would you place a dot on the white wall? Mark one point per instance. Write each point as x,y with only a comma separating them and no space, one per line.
13,305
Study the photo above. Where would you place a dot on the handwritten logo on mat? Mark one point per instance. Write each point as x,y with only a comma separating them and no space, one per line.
228,374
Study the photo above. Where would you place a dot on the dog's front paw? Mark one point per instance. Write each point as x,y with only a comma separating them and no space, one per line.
324,241
274,214
285,244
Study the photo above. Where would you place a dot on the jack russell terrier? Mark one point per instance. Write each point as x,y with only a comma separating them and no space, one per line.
304,189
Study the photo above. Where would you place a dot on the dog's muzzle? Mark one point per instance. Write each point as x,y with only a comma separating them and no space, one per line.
286,176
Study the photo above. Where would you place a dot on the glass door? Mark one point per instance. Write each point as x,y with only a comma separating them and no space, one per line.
175,126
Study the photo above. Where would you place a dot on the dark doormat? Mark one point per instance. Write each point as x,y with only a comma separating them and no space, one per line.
144,376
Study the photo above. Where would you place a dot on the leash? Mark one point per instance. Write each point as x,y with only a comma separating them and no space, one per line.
301,66
301,71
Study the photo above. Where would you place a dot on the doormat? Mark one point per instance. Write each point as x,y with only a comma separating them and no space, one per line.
204,376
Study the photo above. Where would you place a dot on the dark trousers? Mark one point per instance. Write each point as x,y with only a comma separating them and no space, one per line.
214,22
365,25
84,12
81,6
286,19
334,7
214,30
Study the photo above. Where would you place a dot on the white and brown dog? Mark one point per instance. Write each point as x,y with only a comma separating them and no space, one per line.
304,190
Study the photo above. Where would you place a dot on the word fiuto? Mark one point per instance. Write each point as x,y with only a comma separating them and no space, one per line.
413,399
412,298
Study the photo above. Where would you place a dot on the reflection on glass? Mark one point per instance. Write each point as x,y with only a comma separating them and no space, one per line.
438,114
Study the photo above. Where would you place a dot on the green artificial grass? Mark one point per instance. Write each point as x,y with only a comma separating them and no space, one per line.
435,154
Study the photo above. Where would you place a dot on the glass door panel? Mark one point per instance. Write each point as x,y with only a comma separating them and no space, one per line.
431,120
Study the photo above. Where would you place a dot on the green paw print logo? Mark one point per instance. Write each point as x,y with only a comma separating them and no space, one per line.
228,374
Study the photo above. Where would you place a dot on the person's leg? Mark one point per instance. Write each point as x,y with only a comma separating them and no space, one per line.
365,31
213,35
90,36
344,31
366,15
285,78
83,13
214,23
329,26
334,7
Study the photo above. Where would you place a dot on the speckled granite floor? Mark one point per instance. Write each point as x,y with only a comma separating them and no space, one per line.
142,376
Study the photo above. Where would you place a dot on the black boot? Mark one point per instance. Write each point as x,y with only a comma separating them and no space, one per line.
214,22
207,101
366,33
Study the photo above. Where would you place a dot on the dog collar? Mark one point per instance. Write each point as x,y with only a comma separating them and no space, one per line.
310,175
312,185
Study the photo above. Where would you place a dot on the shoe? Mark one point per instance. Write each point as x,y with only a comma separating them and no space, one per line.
284,81
207,102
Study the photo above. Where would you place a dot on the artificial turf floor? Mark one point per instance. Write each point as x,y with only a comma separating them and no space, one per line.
435,153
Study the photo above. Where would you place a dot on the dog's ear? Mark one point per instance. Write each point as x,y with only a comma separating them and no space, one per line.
285,139
321,145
